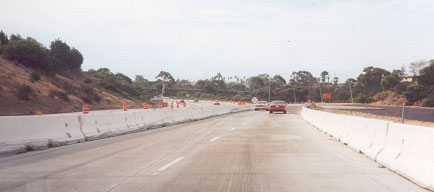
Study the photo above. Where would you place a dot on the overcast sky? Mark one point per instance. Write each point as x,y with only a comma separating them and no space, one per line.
196,39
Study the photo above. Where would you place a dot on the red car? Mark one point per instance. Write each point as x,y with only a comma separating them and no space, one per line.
277,106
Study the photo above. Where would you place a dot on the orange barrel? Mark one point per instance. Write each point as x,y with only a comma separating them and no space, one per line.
85,109
145,106
124,107
171,105
160,105
177,104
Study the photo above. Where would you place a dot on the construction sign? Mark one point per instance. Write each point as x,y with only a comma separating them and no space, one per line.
327,96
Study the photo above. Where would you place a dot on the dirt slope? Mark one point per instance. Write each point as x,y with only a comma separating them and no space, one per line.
49,93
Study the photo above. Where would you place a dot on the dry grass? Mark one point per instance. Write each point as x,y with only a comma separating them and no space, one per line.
14,75
394,119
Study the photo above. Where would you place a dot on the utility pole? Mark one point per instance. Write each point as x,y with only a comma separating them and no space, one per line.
402,112
320,92
351,92
269,90
295,98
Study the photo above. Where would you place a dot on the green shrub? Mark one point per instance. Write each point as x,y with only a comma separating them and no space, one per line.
206,96
89,95
429,102
85,99
97,98
87,90
196,95
25,92
59,94
87,81
68,88
34,76
414,93
363,98
181,94
401,87
426,76
29,52
390,81
380,96
145,96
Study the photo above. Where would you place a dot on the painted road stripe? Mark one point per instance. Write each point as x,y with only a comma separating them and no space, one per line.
170,164
213,139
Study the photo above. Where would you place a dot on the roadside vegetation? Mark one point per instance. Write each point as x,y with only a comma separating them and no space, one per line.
372,85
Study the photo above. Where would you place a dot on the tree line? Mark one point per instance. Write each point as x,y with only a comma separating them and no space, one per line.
372,84
58,58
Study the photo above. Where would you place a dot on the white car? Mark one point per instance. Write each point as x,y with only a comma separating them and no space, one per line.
261,105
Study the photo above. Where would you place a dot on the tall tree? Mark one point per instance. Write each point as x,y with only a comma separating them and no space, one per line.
219,81
140,81
60,55
16,37
166,79
335,80
302,78
370,80
255,82
391,80
279,80
75,59
416,66
123,78
3,39
324,75
426,77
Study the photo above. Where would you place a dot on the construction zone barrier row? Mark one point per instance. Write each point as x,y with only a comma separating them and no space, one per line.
25,133
406,149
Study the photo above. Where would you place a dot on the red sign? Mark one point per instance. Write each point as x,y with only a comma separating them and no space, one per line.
327,96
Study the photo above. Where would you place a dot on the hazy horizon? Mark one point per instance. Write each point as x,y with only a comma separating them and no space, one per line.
195,40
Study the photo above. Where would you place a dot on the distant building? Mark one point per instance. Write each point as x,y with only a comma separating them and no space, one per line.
408,78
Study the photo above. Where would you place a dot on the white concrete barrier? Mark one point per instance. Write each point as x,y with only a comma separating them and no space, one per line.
406,149
18,134
409,151
22,133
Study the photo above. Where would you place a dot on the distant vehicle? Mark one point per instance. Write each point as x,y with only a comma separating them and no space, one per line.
182,101
216,102
156,100
261,105
196,100
277,106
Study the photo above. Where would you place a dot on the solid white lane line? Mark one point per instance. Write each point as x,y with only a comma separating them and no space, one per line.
170,164
233,129
213,139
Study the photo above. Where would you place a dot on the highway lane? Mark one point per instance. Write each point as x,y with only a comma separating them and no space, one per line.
249,151
190,105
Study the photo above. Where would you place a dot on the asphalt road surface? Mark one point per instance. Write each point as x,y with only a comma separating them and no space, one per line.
249,151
